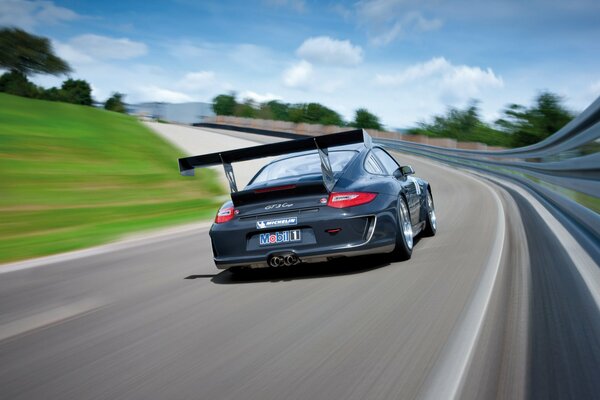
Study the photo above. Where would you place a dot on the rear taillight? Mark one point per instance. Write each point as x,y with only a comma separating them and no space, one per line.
225,214
349,199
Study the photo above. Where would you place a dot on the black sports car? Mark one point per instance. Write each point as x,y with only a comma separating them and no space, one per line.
330,196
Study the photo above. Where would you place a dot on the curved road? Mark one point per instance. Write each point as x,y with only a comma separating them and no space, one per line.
154,319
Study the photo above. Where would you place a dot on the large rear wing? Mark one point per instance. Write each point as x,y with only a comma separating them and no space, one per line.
319,143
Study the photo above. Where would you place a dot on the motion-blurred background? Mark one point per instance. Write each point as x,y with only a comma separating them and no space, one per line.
78,166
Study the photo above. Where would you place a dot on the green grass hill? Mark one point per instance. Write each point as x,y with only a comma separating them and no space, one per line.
74,176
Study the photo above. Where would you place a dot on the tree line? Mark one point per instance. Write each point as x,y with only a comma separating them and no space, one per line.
518,125
24,54
310,113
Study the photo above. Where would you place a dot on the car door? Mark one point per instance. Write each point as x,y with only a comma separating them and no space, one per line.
409,185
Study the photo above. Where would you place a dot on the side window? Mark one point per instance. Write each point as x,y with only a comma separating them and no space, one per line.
388,162
372,166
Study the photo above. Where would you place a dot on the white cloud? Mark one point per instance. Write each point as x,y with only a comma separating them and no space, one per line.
417,71
29,14
383,38
246,57
186,50
49,13
389,20
378,10
325,50
298,75
455,81
342,11
155,93
89,49
423,24
259,98
468,81
107,48
197,80
71,54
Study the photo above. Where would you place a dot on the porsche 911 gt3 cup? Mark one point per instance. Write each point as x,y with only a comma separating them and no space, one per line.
325,197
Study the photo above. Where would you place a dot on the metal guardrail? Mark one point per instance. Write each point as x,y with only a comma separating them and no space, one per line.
567,183
581,130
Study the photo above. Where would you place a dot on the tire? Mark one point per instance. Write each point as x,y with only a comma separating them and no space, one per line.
404,234
430,217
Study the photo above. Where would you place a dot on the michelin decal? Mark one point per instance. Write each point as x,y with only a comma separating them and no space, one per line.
273,223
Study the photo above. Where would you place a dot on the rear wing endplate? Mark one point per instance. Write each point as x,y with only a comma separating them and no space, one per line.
319,143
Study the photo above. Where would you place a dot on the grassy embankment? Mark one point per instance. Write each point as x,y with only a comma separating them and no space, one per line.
74,176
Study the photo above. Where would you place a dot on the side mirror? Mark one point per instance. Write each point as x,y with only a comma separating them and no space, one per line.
403,171
407,170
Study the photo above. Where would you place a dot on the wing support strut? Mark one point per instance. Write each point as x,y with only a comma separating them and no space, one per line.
321,143
229,175
326,170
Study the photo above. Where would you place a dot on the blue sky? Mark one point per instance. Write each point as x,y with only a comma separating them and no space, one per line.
404,60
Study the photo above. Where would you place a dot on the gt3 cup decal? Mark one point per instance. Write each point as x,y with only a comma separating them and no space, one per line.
278,205
272,223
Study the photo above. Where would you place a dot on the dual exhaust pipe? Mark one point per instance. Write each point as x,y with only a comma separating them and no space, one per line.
280,260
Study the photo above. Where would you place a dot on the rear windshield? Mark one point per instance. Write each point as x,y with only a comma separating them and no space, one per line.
306,164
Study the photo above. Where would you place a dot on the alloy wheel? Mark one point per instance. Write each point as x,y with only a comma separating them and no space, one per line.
407,231
431,212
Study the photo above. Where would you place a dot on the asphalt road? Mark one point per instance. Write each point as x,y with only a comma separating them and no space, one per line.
467,317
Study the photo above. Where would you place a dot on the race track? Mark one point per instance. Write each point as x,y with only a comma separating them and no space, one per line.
469,316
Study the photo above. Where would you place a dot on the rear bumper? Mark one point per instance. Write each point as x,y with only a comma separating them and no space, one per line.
321,257
378,239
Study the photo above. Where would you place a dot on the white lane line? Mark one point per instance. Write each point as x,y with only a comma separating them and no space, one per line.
449,373
46,318
139,239
586,266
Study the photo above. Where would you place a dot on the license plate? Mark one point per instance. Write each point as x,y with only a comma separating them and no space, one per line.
279,237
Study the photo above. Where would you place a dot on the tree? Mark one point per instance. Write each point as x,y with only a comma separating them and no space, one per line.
52,94
531,125
71,91
224,104
457,123
314,113
76,91
366,120
463,125
296,113
280,111
115,103
248,109
29,54
265,112
14,82
332,118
